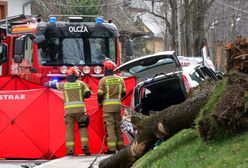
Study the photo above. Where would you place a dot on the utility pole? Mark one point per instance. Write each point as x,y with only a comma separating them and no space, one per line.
179,41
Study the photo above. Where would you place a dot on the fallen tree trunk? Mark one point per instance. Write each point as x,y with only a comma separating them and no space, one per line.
161,125
230,111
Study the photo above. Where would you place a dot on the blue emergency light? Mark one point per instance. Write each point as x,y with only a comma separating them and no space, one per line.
52,20
99,20
55,79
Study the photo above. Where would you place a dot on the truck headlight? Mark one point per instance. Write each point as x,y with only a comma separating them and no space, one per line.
63,69
86,70
97,69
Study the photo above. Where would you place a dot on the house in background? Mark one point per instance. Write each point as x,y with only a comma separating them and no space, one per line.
155,42
14,7
3,9
153,26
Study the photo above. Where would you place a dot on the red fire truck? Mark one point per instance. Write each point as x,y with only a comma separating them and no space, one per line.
31,53
39,51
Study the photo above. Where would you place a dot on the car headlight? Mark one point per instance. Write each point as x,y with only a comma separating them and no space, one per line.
97,69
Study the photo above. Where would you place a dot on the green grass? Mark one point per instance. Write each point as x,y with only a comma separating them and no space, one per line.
187,150
214,98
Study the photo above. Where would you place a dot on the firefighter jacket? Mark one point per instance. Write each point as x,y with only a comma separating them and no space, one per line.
73,96
112,88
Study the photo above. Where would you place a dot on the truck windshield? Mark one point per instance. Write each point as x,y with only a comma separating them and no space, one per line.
77,51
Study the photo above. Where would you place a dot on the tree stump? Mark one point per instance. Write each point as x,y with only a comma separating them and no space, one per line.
230,113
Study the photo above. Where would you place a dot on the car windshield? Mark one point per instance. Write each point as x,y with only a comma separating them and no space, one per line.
77,51
140,68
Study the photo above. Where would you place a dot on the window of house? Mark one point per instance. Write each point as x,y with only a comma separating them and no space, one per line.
3,9
28,51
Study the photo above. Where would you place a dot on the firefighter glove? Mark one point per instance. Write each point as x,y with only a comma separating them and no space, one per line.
100,99
84,123
123,94
87,94
51,84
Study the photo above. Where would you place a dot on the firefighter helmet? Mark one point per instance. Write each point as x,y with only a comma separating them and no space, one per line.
73,70
109,65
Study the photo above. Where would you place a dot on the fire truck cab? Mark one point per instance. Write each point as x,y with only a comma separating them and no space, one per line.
39,51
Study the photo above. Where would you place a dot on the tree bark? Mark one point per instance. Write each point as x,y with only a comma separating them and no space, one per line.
200,9
161,125
187,33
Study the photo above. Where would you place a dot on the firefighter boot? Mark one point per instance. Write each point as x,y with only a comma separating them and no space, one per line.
69,152
86,150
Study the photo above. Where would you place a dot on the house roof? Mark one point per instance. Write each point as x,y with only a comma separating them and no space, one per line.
140,5
154,24
127,27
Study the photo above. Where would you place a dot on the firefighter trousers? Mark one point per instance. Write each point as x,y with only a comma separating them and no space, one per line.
114,135
70,120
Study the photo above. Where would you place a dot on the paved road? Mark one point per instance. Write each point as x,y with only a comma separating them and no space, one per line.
65,162
73,162
18,163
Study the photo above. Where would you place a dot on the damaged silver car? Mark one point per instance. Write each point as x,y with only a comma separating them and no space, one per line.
160,82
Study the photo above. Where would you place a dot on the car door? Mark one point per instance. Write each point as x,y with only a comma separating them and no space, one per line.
151,69
206,72
146,67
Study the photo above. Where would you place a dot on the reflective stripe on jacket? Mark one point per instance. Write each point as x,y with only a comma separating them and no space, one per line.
73,96
111,101
111,87
68,105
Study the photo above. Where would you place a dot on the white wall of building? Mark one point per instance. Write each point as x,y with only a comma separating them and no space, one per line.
15,7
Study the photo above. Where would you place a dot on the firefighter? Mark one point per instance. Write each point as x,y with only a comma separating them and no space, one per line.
110,91
74,93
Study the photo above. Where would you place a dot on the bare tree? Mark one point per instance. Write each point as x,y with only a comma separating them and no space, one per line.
226,19
70,7
187,29
192,31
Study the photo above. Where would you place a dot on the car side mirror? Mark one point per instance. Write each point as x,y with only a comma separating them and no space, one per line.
129,47
3,53
39,39
19,50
